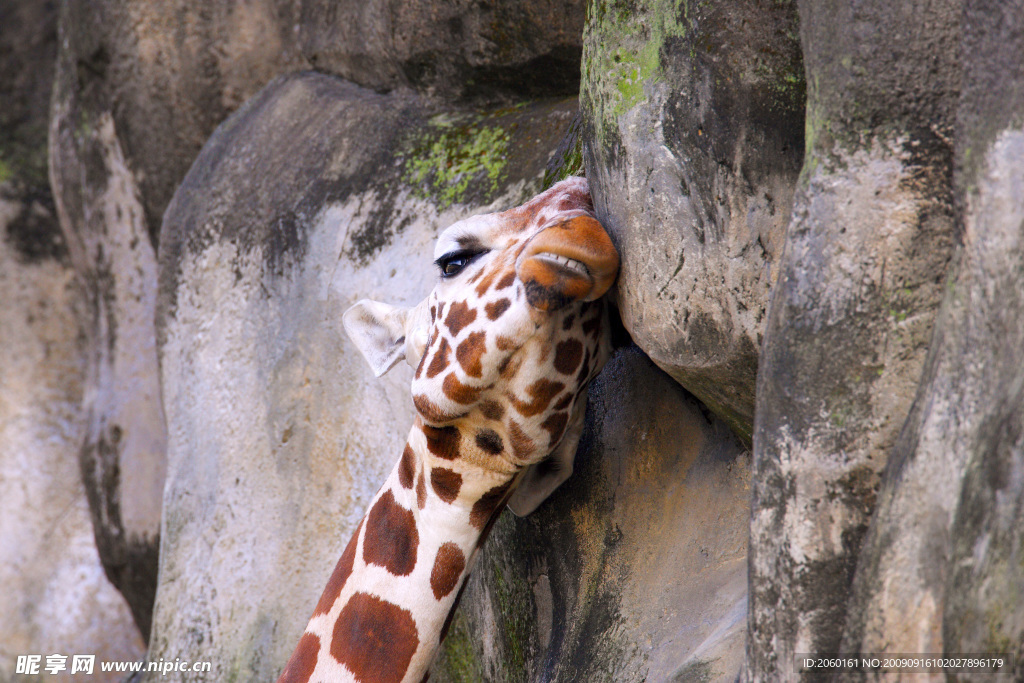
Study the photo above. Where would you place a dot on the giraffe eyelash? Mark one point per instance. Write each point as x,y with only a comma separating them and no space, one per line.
458,259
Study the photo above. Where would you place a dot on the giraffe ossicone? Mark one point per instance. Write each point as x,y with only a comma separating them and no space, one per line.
504,347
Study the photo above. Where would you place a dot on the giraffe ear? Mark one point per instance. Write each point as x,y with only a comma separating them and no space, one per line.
378,331
540,480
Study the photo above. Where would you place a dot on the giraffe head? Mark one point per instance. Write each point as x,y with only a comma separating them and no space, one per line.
506,343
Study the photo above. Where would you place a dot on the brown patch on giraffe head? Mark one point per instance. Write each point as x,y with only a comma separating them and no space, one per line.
421,491
448,567
302,663
430,412
443,441
391,538
492,410
342,570
407,467
459,315
459,392
375,639
440,360
506,281
496,309
489,441
509,367
504,343
485,283
564,402
568,355
541,392
555,425
446,483
488,504
522,445
592,327
469,353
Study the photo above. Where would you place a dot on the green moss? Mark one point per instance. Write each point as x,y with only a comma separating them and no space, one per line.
568,160
623,52
453,156
996,639
695,672
24,159
516,618
458,662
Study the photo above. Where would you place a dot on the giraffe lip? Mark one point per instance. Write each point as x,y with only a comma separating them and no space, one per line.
564,261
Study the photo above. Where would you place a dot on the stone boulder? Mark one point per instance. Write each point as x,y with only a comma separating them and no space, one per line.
313,195
54,596
694,123
942,567
636,568
851,317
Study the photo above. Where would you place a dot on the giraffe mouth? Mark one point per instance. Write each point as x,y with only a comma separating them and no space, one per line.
565,262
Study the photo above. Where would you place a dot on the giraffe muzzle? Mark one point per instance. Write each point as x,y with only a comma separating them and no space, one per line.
572,260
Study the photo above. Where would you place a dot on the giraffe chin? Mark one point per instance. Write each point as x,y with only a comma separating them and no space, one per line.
432,414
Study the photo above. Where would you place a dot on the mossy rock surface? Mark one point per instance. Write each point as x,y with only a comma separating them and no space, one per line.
693,140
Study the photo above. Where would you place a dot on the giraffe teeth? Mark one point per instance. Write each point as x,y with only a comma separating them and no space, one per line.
571,264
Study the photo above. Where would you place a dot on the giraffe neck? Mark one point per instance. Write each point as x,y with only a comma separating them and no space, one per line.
390,599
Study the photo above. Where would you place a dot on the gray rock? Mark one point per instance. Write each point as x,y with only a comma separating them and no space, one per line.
460,49
315,194
984,606
694,138
851,316
633,570
941,570
54,596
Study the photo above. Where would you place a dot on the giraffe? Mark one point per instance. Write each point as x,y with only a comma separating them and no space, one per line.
504,347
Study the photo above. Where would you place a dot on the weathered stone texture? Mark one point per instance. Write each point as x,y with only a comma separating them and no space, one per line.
852,312
54,596
315,194
635,569
694,137
460,49
941,569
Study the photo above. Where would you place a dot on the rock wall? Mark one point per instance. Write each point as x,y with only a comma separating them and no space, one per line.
851,315
54,596
694,123
947,526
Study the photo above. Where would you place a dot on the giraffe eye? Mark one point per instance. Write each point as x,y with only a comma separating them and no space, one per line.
453,263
